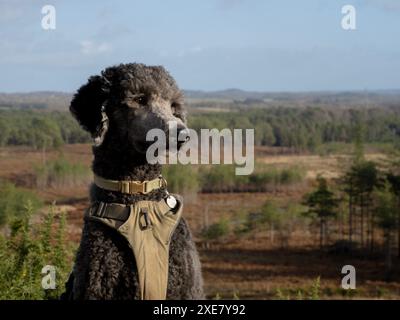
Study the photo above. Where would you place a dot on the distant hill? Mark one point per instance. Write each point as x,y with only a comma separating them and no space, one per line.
36,100
238,94
340,99
232,94
60,100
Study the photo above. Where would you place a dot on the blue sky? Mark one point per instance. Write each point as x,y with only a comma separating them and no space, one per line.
263,45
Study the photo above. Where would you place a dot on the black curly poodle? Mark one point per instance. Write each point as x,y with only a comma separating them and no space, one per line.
135,98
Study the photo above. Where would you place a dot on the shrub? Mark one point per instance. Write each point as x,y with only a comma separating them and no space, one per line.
218,178
312,292
13,200
279,220
189,179
26,251
222,178
61,173
181,178
216,230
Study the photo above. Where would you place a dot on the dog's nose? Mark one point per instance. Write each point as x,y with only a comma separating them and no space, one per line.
183,136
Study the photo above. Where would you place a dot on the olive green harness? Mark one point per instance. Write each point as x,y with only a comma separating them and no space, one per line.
148,227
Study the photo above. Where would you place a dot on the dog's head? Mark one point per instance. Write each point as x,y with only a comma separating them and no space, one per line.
126,101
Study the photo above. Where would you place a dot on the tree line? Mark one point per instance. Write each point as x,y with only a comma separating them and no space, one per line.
40,130
307,128
299,128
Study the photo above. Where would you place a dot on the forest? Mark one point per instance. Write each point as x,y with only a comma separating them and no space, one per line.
303,129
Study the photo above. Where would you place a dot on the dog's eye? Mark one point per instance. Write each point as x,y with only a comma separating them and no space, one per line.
174,108
140,99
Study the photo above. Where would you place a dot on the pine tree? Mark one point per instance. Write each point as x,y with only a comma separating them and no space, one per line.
394,181
322,205
385,205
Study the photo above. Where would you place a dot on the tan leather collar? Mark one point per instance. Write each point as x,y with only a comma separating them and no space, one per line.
130,187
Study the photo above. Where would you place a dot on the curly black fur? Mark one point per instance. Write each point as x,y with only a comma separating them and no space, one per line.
135,98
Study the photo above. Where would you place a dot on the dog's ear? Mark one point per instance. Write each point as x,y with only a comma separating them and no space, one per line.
87,104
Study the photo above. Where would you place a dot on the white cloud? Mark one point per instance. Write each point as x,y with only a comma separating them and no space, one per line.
89,47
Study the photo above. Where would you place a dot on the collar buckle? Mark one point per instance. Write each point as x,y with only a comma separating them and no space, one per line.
132,187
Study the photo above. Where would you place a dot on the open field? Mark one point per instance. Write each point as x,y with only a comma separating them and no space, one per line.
244,266
328,166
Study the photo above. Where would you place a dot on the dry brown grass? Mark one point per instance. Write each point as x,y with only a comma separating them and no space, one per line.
328,166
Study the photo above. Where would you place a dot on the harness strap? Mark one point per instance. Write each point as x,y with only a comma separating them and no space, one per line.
130,186
148,227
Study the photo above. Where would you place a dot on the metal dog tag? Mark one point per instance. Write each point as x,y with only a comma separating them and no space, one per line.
171,202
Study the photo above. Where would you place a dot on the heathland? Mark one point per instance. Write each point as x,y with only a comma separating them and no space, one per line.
325,193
